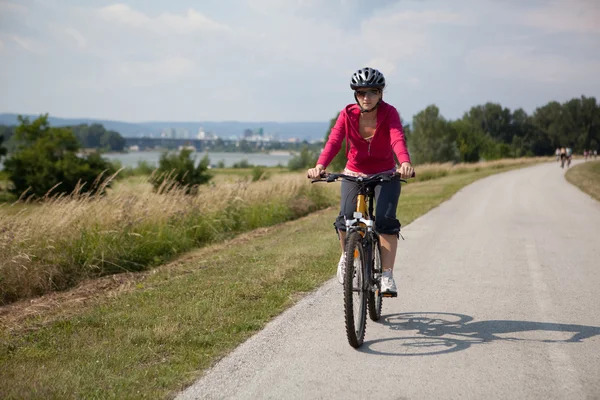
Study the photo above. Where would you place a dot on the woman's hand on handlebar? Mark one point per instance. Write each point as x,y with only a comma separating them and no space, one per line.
406,170
316,172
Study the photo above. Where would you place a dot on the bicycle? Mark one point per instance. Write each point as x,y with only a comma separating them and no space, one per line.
363,253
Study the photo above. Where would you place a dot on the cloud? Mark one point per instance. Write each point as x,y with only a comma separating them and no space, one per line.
12,8
524,63
124,14
574,16
428,17
148,73
77,36
165,23
405,43
384,65
11,14
293,7
414,81
29,44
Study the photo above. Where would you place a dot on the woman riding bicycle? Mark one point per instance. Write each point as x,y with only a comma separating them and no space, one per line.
373,133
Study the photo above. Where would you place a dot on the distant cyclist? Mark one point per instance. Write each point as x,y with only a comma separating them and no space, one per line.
569,153
563,157
374,134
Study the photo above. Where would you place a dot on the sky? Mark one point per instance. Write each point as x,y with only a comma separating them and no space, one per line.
290,60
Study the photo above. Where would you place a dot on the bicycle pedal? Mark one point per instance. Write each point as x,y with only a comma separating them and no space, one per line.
389,294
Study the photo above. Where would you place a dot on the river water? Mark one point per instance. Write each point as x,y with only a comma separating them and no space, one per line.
152,157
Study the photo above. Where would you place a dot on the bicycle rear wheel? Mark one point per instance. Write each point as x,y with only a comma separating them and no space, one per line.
375,300
355,299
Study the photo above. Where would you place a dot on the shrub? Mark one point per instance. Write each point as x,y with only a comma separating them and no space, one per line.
306,159
242,164
46,160
180,170
259,174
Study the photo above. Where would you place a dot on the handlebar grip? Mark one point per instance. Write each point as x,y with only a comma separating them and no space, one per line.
414,174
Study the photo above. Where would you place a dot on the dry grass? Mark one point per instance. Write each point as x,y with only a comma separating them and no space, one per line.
586,176
55,244
426,172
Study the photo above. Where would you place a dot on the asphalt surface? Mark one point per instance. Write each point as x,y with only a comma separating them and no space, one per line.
499,298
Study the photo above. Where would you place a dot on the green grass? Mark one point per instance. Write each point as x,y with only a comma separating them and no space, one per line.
586,176
158,335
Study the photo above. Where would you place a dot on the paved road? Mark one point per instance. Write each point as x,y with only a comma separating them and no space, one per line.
499,299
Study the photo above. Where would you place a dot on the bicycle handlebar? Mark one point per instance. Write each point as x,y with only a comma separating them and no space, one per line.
383,177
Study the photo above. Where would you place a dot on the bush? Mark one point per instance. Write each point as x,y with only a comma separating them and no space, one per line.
180,170
306,159
259,174
46,160
144,168
242,164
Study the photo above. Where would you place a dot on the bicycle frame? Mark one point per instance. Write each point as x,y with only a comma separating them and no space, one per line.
364,224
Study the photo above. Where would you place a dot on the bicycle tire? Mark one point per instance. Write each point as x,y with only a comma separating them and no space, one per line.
375,298
356,315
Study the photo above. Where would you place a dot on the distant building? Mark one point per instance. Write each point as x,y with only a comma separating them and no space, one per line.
168,133
206,135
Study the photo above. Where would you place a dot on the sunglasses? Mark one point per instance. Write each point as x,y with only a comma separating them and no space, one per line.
364,93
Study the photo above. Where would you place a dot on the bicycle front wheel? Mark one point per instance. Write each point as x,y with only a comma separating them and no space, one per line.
355,299
375,300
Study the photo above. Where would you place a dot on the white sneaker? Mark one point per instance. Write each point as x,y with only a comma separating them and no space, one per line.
341,268
388,286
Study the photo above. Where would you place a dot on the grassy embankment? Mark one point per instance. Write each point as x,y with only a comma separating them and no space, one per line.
156,332
586,176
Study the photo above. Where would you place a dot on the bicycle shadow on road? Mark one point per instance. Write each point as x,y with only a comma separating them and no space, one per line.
439,333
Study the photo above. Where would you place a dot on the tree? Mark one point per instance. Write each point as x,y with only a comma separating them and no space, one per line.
97,137
46,158
493,120
245,146
2,149
7,133
432,139
180,169
470,139
306,159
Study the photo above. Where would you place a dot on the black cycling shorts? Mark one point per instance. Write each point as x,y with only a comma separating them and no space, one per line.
387,195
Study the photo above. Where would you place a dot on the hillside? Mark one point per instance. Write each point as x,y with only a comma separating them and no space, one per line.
281,130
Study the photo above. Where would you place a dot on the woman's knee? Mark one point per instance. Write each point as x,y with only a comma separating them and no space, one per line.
340,223
387,226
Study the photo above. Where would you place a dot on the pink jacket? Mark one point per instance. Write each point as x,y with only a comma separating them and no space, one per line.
368,157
